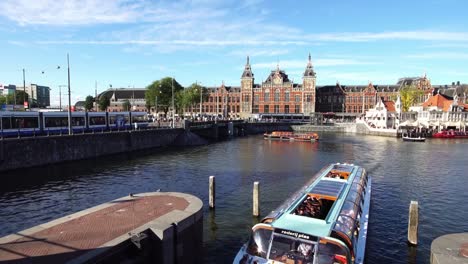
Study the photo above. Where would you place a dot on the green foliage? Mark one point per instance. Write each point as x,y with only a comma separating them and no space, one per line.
21,97
3,99
409,96
89,102
126,105
163,90
104,102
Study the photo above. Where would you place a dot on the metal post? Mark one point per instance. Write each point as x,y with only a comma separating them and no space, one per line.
201,96
70,131
256,204
212,192
173,110
156,106
24,87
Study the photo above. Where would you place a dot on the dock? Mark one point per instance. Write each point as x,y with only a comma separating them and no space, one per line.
450,249
161,227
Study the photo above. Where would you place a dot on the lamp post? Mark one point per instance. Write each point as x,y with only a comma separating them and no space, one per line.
70,131
201,96
60,96
24,87
173,110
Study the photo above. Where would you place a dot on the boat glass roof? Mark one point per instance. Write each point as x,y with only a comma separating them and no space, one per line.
330,188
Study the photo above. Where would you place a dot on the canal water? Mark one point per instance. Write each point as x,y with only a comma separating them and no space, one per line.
433,173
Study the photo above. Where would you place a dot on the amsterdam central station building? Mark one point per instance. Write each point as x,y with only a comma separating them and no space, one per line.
278,94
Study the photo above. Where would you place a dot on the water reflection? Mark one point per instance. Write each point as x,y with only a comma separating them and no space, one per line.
434,173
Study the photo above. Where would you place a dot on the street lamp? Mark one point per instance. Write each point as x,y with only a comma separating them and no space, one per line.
201,96
173,116
60,96
69,99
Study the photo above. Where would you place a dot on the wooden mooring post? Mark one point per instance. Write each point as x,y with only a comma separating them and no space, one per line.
256,202
212,192
413,223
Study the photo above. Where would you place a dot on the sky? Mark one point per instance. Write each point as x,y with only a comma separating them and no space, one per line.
127,43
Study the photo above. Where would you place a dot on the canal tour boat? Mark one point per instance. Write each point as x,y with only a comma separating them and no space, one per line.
291,136
325,222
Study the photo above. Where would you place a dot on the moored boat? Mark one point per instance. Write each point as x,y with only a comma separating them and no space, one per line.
291,136
413,139
451,134
325,222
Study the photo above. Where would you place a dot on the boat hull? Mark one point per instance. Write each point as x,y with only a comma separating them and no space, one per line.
291,136
409,139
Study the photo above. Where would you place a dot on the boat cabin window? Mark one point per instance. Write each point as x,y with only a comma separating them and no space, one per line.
292,250
329,253
258,242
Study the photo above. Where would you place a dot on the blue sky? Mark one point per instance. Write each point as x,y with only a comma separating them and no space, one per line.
132,43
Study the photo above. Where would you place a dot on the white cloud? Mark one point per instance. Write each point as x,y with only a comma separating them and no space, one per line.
395,35
439,55
325,62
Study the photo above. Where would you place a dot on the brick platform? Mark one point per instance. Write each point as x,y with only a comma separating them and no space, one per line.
70,237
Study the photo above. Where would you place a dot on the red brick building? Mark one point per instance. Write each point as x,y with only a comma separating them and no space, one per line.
277,94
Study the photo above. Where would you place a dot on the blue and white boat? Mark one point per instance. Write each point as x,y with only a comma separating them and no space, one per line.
325,222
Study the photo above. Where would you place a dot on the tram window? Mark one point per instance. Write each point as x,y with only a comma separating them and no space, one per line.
78,121
138,119
56,121
97,120
6,122
24,122
258,242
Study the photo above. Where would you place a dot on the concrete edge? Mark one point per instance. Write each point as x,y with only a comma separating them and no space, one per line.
27,232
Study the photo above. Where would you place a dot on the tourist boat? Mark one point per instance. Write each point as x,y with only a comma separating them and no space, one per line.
413,139
325,222
451,134
291,136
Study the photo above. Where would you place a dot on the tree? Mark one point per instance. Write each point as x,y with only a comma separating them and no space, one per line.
191,96
89,102
163,89
104,102
126,105
409,96
21,96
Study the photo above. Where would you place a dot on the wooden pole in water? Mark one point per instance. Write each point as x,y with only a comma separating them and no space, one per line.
256,204
413,223
212,192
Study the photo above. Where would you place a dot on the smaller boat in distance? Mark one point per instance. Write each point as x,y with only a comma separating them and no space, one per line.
451,134
291,136
413,139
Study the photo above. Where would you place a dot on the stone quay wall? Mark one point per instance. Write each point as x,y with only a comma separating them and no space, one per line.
38,151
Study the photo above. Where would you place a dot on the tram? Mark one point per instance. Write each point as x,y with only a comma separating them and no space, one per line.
29,123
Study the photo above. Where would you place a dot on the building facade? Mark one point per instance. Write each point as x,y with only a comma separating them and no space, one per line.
277,94
119,96
38,95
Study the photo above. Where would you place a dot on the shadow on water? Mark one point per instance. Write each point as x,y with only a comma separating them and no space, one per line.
27,178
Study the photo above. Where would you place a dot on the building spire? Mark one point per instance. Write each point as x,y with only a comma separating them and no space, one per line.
309,71
247,70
